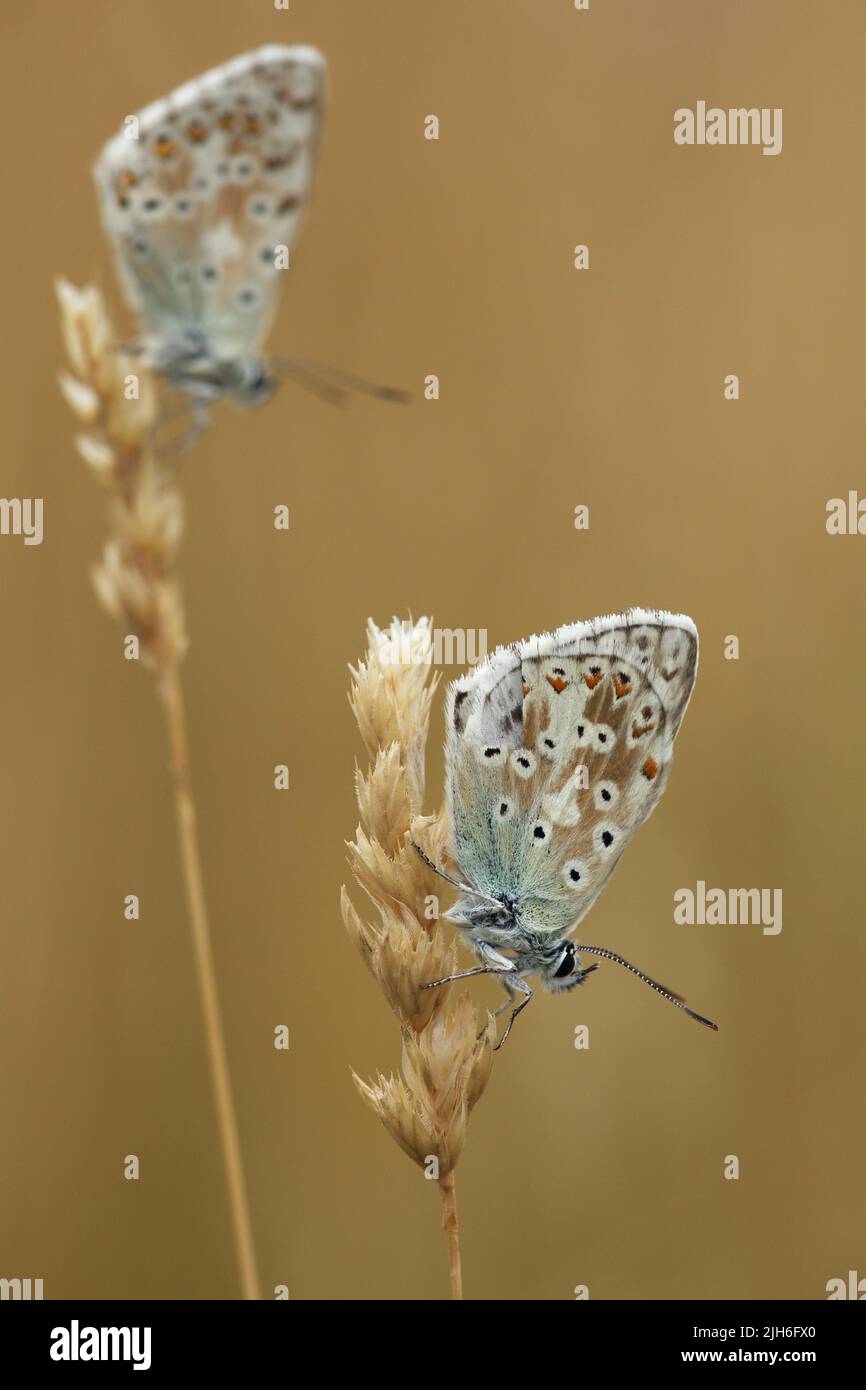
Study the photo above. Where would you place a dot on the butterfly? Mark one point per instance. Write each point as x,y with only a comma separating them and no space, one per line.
202,197
557,749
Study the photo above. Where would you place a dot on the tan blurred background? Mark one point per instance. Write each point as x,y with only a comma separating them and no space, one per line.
557,388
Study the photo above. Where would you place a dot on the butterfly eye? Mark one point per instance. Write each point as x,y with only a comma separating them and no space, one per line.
566,965
257,387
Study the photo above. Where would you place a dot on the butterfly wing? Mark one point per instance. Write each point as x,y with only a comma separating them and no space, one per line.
215,179
557,750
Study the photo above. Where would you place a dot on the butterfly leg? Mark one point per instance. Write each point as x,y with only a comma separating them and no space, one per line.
199,418
498,1010
511,982
197,427
506,1004
460,975
495,965
524,988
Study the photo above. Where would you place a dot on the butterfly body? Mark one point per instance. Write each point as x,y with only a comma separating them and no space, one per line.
202,196
247,380
557,749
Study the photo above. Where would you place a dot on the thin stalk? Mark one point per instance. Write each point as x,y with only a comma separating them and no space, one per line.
451,1227
171,695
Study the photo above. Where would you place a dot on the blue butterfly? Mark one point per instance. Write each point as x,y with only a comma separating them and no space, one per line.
557,749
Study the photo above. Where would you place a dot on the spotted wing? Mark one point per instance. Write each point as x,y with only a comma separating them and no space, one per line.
557,750
202,189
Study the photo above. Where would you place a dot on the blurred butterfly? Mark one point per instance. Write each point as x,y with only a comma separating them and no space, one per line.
202,197
557,749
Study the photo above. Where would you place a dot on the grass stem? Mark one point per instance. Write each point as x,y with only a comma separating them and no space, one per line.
451,1227
171,695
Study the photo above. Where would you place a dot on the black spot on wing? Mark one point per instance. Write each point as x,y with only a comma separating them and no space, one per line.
459,715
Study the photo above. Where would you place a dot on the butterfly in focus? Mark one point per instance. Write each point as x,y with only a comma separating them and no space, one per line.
202,196
557,749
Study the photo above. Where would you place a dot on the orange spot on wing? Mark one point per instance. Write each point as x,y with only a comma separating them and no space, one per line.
164,147
277,161
621,687
525,689
650,768
638,730
593,680
252,124
557,682
226,120
196,131
122,184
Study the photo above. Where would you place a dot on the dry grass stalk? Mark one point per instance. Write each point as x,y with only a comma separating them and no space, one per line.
136,581
446,1057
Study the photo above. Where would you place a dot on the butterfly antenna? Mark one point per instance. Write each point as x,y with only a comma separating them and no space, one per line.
337,382
668,994
464,887
310,381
